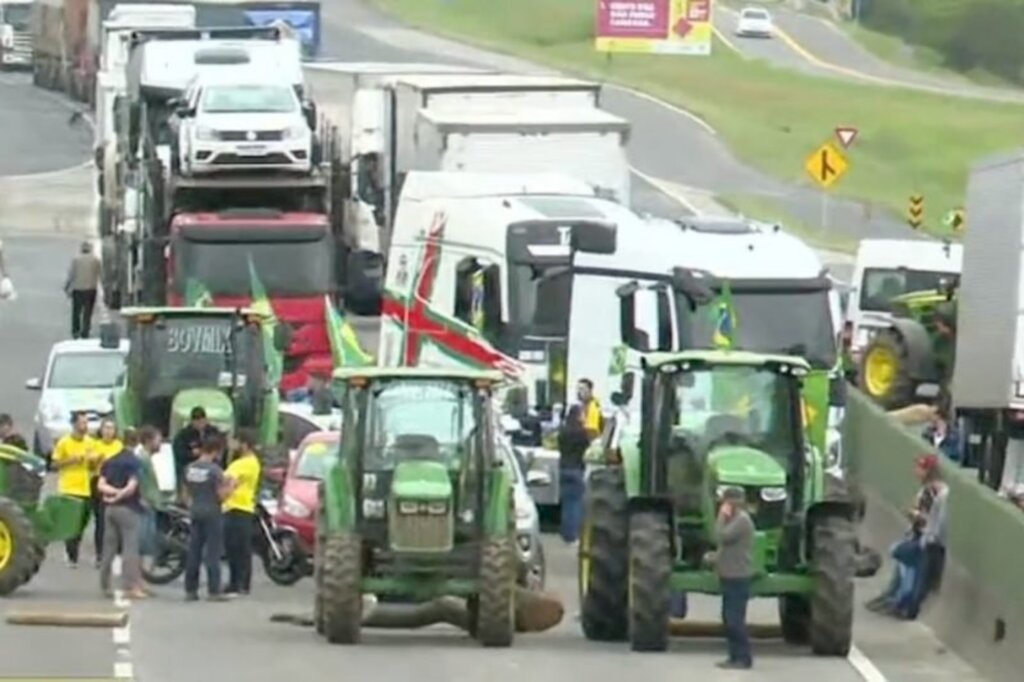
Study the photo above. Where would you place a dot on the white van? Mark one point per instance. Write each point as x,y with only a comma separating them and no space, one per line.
887,268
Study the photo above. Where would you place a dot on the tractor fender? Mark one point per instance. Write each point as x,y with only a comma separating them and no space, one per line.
920,356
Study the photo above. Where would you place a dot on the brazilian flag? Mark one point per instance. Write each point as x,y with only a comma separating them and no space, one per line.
725,321
261,304
345,347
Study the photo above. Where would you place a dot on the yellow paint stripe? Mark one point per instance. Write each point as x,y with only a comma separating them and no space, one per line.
829,66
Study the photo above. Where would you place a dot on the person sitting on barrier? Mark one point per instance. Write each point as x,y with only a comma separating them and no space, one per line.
906,555
933,536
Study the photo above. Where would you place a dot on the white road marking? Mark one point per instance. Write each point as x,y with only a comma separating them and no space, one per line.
123,670
867,670
662,103
121,635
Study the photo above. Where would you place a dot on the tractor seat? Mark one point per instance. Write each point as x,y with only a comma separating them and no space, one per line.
415,446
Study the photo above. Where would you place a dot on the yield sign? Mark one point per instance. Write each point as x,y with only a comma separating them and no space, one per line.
846,135
682,27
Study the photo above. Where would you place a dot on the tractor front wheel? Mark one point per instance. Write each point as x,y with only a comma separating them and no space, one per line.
885,371
19,558
832,564
604,558
495,604
650,570
341,601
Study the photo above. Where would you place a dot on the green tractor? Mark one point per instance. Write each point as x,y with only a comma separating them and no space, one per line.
912,359
26,525
710,420
417,505
181,358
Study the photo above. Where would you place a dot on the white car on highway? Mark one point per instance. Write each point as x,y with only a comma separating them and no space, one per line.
80,376
755,22
230,124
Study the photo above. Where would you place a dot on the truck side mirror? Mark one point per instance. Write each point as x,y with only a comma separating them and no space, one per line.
621,397
628,332
665,328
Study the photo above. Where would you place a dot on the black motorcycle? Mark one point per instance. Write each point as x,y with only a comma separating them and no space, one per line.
278,547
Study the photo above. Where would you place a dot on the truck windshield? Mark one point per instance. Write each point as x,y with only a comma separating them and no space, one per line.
198,351
795,322
880,285
248,99
285,268
431,420
18,16
539,299
732,405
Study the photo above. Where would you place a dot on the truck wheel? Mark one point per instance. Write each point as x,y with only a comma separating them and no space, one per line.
319,541
650,568
795,616
18,556
885,371
604,558
341,599
495,618
831,601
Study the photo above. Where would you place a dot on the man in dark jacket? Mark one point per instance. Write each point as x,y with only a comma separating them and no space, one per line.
581,426
8,434
186,444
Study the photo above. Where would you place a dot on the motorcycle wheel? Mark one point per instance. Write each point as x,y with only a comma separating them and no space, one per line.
290,568
168,562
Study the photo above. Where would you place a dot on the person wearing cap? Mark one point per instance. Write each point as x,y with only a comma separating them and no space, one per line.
186,444
933,535
81,285
734,564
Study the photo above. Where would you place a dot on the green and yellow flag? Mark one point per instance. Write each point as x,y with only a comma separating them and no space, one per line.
725,320
345,347
261,304
197,295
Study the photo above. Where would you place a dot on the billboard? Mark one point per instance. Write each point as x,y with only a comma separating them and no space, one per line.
681,27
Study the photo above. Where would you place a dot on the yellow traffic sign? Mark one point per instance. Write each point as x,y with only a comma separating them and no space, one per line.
826,165
915,211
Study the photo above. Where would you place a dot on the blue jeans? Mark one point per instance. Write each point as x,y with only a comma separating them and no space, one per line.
205,546
571,487
735,596
147,532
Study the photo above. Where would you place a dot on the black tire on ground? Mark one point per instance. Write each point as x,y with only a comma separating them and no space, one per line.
495,621
795,616
20,560
341,599
901,391
319,541
832,568
40,557
604,608
650,562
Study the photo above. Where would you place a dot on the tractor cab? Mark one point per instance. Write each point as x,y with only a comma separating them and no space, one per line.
418,503
181,358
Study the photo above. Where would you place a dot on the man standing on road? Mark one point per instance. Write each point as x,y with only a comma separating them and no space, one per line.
84,276
206,487
240,512
122,509
734,563
186,444
8,434
581,426
72,459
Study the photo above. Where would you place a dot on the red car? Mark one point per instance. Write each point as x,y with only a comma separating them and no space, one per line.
298,502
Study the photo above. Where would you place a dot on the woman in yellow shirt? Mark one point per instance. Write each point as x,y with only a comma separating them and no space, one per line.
71,458
106,445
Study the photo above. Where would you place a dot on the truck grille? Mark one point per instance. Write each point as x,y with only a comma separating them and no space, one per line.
421,532
275,158
243,135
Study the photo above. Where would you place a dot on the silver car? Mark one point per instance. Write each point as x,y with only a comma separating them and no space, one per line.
80,376
532,566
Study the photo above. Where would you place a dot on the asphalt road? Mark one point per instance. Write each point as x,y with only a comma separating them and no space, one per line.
814,45
51,143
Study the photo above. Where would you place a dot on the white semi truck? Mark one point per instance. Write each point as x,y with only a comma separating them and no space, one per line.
988,375
15,34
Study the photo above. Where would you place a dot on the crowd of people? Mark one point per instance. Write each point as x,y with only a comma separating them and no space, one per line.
113,476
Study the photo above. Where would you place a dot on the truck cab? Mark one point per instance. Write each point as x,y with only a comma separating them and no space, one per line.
216,256
15,34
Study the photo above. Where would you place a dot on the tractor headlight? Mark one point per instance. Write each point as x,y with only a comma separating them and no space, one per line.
773,494
437,508
408,507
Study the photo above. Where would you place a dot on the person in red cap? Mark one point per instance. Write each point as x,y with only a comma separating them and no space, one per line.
933,535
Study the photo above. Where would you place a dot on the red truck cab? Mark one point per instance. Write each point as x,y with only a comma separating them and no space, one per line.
293,257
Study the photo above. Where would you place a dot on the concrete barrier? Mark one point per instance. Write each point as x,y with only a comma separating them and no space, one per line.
59,202
980,611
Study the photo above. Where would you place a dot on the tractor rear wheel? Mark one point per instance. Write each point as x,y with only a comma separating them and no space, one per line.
18,555
604,558
832,568
650,570
885,371
341,610
795,617
495,605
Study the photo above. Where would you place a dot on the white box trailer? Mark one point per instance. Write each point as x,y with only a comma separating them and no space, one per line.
333,87
588,144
